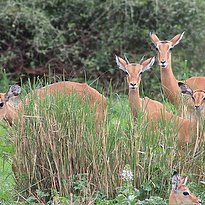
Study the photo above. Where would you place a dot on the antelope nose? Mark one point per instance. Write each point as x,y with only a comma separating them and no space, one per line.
197,107
163,61
1,104
200,202
133,84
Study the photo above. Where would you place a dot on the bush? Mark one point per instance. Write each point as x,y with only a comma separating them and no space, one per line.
78,37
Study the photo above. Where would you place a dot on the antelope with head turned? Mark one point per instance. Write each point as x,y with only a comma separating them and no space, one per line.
8,106
154,110
9,109
195,101
168,81
180,193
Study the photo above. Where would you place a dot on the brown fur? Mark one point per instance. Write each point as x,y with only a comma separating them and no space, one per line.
10,113
177,197
198,96
194,101
154,110
168,80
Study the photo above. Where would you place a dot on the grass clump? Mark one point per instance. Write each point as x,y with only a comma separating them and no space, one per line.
61,156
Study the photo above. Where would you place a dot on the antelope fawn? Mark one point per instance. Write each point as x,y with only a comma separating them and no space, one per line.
168,81
9,111
154,110
180,193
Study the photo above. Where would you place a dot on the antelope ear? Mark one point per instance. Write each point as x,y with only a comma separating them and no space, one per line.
121,63
175,181
147,64
14,90
176,39
184,181
154,38
185,89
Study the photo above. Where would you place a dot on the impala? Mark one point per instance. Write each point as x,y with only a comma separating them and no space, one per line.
168,81
154,110
180,193
195,101
9,104
9,111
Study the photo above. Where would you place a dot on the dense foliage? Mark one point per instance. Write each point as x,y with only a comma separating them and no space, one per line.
79,38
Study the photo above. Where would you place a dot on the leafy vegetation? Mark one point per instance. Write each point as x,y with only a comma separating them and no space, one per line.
79,38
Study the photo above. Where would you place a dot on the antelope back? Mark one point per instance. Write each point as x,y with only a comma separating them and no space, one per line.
83,90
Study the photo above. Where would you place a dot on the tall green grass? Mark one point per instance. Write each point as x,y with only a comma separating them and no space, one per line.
60,152
6,175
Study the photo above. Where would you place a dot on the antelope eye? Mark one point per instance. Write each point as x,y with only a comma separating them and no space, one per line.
186,193
193,98
204,99
126,72
171,49
157,49
140,73
1,104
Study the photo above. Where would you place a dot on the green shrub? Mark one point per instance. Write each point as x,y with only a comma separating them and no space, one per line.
78,37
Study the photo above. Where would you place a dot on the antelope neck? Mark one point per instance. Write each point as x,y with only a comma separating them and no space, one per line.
134,99
169,83
167,73
173,200
11,112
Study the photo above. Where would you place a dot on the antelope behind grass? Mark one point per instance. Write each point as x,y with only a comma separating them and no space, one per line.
9,104
9,109
195,101
154,110
133,72
168,81
180,193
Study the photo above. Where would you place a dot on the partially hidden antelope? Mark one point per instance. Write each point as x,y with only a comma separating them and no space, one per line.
154,110
168,81
180,193
195,100
10,107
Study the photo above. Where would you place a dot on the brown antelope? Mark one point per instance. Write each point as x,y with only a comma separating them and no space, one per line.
168,81
180,193
9,104
154,110
9,111
133,72
195,101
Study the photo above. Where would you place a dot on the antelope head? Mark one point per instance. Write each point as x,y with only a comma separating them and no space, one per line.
5,98
133,71
180,193
196,100
164,48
